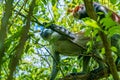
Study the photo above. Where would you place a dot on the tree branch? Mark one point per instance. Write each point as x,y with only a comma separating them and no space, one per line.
106,43
23,38
4,26
93,75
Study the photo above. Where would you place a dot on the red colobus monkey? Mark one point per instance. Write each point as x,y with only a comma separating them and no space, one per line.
80,12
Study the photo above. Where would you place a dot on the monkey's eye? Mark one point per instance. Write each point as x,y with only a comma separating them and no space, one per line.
82,7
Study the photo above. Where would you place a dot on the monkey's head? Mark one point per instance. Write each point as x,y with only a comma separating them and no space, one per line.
45,33
79,12
48,34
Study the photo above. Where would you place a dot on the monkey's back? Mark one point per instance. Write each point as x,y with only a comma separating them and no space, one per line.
71,47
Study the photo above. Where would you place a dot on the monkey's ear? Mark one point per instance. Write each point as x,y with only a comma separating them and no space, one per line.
76,9
73,10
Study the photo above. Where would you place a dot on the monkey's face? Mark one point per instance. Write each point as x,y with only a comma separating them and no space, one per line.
50,35
46,34
79,11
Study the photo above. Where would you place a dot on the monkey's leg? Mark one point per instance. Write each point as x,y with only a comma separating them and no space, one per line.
55,66
86,60
85,66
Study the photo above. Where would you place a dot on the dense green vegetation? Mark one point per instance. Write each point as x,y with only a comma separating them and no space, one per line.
24,55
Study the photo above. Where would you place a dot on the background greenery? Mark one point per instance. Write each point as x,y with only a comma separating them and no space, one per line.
23,53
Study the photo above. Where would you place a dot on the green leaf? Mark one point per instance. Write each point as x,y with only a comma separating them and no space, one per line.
103,51
114,49
44,1
119,7
74,70
91,23
108,22
113,1
53,2
36,10
66,68
114,30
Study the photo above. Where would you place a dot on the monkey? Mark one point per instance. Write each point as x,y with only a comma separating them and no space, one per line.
61,44
80,12
65,45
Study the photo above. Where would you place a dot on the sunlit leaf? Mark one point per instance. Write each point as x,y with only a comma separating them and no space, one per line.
113,1
114,49
103,51
92,23
114,30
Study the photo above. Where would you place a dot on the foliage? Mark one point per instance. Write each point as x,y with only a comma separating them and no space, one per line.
35,61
